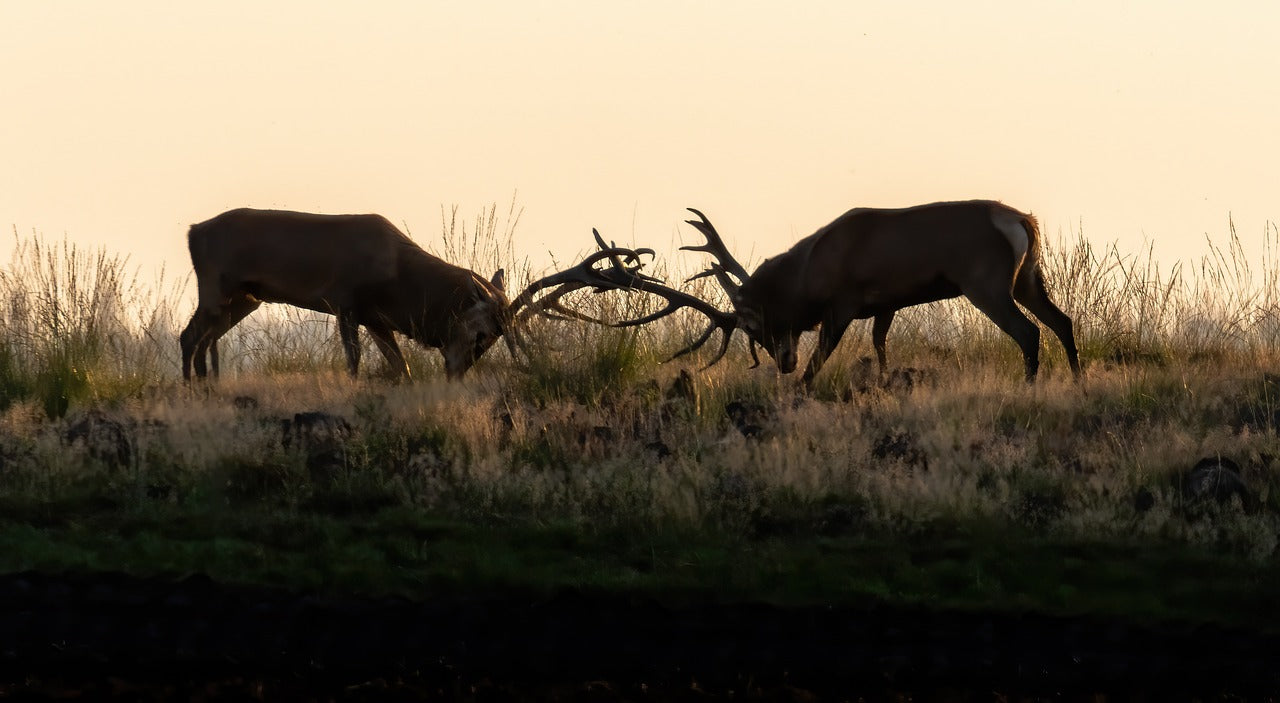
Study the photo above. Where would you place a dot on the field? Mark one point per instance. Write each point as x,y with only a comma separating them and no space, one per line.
1138,509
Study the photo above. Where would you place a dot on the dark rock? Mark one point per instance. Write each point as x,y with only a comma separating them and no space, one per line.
841,518
659,449
245,402
902,447
1039,508
324,464
683,387
508,423
904,379
749,417
1217,479
312,430
103,438
322,437
1144,500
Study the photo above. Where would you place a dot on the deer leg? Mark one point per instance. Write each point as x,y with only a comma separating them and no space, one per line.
189,340
349,331
999,306
1029,290
397,367
828,337
879,331
229,316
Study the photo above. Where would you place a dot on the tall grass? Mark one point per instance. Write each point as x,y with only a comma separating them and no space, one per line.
594,431
80,327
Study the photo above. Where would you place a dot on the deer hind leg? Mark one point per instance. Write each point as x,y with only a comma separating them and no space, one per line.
190,339
204,331
999,306
1029,290
231,316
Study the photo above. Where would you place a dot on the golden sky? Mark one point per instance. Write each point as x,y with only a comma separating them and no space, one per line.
121,123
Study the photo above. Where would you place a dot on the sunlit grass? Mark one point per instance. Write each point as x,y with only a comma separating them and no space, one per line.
596,437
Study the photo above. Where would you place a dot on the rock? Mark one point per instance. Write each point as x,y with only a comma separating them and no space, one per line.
244,403
659,449
1217,479
901,447
904,379
103,438
683,388
1144,500
749,417
314,430
322,437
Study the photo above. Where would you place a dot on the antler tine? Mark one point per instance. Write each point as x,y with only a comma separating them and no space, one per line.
624,273
585,274
675,300
702,339
728,284
617,263
697,343
724,347
551,303
720,320
620,275
715,247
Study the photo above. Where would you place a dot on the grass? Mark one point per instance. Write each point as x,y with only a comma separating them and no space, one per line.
598,467
408,553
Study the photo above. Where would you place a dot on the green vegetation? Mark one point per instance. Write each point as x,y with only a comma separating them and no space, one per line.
594,466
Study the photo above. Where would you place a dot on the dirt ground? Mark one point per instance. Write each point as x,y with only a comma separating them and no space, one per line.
110,636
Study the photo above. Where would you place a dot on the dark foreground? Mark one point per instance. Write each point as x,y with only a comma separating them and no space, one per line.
113,636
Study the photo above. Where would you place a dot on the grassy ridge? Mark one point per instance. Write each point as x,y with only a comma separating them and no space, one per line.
948,483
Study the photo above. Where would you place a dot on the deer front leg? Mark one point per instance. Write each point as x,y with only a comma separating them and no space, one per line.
828,337
879,331
397,367
349,331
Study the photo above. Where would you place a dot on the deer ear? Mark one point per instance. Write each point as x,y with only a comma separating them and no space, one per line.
500,280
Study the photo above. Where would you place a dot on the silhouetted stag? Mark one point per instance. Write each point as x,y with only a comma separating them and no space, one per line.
871,263
369,274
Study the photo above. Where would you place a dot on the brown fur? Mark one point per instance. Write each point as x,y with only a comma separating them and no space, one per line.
357,267
873,262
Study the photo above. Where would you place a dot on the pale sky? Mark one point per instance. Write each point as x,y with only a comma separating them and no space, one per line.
121,123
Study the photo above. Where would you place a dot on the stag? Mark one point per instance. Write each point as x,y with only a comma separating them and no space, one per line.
873,262
367,273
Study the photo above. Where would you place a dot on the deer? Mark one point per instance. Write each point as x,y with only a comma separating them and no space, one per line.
367,273
871,263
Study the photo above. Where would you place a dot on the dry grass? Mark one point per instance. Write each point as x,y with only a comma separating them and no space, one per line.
1178,369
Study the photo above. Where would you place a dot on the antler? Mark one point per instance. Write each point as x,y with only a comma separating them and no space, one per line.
725,265
676,299
719,321
623,273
